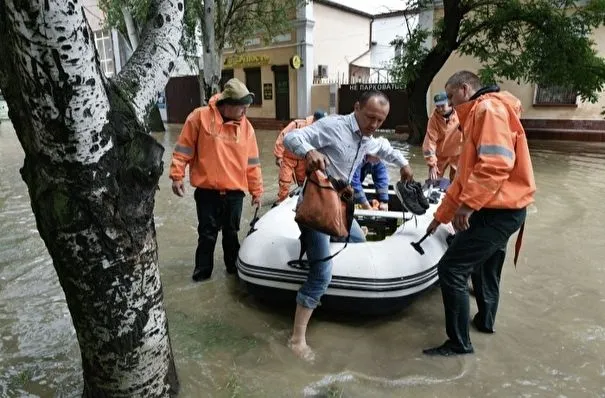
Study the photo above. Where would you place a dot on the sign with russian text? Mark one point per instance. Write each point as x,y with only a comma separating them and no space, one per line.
244,61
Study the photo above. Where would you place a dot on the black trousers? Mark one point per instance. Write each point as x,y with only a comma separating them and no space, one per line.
216,211
478,252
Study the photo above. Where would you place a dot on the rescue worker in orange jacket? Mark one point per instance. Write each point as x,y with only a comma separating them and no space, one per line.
289,164
443,139
219,145
486,204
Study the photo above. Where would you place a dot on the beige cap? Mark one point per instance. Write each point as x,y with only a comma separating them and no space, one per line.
235,93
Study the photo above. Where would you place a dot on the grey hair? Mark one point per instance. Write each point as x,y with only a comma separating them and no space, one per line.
464,77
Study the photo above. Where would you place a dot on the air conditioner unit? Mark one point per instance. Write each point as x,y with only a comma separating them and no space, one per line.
322,71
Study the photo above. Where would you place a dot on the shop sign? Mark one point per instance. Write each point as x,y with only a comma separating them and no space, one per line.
296,62
244,61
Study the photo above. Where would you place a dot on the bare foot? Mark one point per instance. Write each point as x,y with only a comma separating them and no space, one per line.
302,350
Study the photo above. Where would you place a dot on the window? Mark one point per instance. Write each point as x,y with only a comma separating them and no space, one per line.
105,50
254,84
555,96
226,74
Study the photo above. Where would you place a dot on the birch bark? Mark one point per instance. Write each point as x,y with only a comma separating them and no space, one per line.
92,172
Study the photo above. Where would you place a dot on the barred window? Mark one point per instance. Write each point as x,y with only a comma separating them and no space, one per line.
105,50
555,96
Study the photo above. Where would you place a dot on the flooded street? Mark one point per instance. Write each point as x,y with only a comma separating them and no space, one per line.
550,338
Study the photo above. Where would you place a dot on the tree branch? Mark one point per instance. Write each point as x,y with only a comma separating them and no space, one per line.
149,68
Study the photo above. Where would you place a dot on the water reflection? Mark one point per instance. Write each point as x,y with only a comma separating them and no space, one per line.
550,337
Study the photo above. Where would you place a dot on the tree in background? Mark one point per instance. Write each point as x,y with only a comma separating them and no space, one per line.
215,24
92,171
236,21
533,41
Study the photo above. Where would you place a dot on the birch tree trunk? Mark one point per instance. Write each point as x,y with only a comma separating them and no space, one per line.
92,172
212,58
155,117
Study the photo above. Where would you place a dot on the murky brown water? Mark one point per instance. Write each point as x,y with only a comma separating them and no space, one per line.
550,339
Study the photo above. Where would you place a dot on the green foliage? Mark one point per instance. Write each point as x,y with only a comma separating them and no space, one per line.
239,20
406,66
236,20
113,12
538,41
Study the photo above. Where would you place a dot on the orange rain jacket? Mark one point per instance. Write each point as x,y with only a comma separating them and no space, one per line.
279,150
442,142
221,155
292,166
494,170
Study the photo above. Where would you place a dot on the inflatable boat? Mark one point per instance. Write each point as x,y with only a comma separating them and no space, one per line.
381,275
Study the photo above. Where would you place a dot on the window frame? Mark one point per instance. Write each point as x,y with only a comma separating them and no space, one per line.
105,51
538,102
258,91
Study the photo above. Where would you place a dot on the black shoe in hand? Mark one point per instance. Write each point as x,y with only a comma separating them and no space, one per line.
422,200
409,198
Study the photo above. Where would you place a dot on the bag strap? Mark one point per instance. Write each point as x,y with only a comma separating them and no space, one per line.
306,264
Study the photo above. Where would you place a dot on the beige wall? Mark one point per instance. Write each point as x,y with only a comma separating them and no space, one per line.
338,38
525,91
320,97
277,56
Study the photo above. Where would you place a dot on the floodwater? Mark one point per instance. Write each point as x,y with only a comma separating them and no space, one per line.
550,339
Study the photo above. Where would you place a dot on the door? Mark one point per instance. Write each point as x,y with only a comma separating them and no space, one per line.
282,92
182,97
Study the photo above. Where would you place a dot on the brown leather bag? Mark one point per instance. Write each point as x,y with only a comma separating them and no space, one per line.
327,205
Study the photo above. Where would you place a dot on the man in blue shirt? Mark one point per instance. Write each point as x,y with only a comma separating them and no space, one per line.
337,145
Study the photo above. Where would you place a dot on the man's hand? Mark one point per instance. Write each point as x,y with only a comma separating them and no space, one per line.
433,173
178,188
406,173
256,201
460,221
383,206
316,160
278,162
432,226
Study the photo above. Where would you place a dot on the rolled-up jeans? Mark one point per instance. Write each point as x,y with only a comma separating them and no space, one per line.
320,272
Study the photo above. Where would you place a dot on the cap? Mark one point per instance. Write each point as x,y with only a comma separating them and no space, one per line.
235,93
440,98
319,113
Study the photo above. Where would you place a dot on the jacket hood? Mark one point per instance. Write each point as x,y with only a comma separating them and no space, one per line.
490,92
213,100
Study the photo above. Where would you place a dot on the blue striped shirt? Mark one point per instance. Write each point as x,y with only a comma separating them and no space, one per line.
338,138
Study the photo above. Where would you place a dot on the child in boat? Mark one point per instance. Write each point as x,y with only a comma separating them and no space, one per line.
380,177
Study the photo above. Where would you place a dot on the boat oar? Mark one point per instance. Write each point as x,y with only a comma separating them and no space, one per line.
416,245
254,220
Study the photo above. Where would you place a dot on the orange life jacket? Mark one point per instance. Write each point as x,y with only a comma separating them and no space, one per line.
443,140
495,169
279,150
221,155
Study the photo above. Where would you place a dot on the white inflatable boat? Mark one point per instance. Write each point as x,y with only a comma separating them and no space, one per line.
377,276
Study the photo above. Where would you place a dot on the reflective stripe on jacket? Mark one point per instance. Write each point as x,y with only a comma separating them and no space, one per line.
221,155
495,169
279,150
443,140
